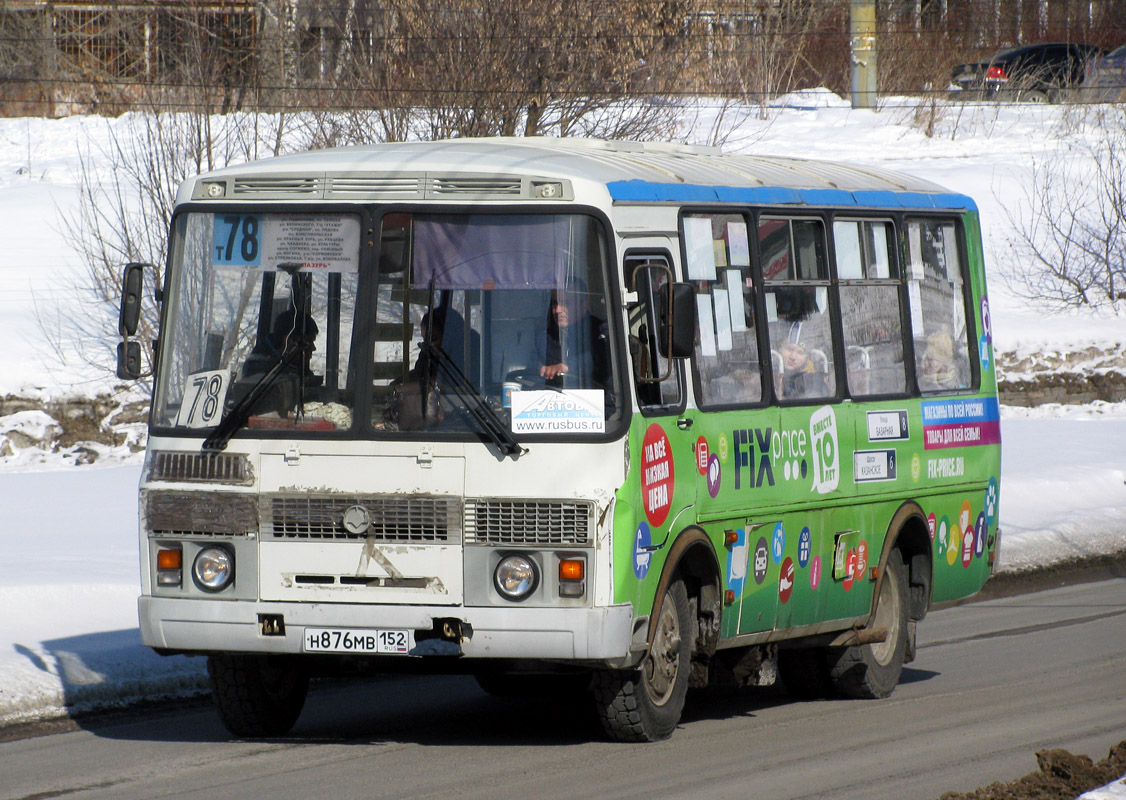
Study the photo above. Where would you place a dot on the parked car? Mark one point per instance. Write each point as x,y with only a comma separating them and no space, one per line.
1035,73
1105,81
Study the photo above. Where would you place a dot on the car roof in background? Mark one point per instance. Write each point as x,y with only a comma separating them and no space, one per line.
1025,48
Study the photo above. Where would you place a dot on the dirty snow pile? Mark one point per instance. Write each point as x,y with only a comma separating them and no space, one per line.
68,572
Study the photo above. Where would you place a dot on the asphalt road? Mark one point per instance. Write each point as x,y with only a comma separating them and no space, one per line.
994,681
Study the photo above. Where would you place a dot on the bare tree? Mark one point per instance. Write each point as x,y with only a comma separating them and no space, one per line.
1069,245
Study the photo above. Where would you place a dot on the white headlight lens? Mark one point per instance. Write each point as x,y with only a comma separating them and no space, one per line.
213,569
515,577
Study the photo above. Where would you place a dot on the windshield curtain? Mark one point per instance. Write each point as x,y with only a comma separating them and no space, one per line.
506,311
253,295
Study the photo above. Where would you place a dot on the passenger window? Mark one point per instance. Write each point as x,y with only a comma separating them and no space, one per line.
718,263
936,292
797,308
870,307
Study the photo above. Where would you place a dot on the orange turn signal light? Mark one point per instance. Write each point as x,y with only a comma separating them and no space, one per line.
169,559
730,538
572,569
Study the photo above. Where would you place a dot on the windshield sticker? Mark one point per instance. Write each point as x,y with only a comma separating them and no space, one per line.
657,475
288,242
888,426
567,411
204,396
961,423
873,465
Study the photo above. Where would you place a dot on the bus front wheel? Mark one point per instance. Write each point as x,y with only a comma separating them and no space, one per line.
257,695
873,670
645,704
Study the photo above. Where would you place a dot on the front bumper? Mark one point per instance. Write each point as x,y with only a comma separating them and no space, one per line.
555,634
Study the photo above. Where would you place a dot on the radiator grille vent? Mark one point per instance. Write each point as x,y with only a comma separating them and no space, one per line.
195,513
196,468
514,522
390,518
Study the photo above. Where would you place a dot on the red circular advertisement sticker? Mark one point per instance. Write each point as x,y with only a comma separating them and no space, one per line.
786,580
656,475
931,525
702,454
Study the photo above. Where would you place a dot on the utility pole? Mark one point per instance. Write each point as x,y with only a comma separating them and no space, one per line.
862,23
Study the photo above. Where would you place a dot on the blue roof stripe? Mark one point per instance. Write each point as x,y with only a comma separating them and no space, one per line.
638,191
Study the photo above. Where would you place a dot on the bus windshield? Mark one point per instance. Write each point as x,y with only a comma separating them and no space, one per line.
509,310
491,324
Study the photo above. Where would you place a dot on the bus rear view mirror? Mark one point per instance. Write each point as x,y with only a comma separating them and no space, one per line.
132,281
678,320
128,360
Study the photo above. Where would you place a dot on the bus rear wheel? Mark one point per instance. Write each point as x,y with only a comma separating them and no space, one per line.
645,704
873,670
257,695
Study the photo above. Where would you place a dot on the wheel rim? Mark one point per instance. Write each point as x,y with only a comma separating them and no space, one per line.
887,616
663,663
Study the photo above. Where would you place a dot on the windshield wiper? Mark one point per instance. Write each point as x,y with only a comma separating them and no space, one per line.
478,407
239,413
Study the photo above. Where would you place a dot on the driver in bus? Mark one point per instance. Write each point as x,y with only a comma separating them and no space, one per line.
573,342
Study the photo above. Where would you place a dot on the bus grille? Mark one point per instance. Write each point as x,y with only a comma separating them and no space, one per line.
515,522
197,468
200,513
392,518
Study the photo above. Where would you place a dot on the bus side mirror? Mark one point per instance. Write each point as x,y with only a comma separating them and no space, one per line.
678,322
132,282
129,352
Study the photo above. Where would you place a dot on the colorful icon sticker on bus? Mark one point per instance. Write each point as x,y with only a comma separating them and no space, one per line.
737,563
657,475
702,453
932,525
861,566
805,546
943,532
723,447
965,516
786,580
980,531
985,353
967,547
986,321
850,569
815,573
641,554
715,476
762,560
778,543
955,546
991,501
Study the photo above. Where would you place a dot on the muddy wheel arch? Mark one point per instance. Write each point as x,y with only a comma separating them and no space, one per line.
907,532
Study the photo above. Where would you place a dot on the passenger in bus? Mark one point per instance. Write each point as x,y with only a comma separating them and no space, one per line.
444,327
938,363
801,377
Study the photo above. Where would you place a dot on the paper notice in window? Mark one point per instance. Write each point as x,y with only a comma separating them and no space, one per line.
707,329
737,244
735,299
699,248
722,320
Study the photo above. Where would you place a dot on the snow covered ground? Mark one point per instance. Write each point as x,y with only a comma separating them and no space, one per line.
68,565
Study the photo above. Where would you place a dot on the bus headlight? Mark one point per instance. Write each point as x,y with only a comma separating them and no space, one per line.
516,577
213,569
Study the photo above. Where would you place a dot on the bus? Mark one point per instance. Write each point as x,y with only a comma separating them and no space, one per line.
610,418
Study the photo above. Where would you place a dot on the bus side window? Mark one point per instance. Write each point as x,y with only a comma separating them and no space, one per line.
870,306
648,363
936,290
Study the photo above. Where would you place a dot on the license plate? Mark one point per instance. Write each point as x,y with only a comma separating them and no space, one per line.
360,641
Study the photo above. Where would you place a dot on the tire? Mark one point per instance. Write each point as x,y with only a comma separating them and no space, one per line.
873,670
645,704
257,695
805,673
539,685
